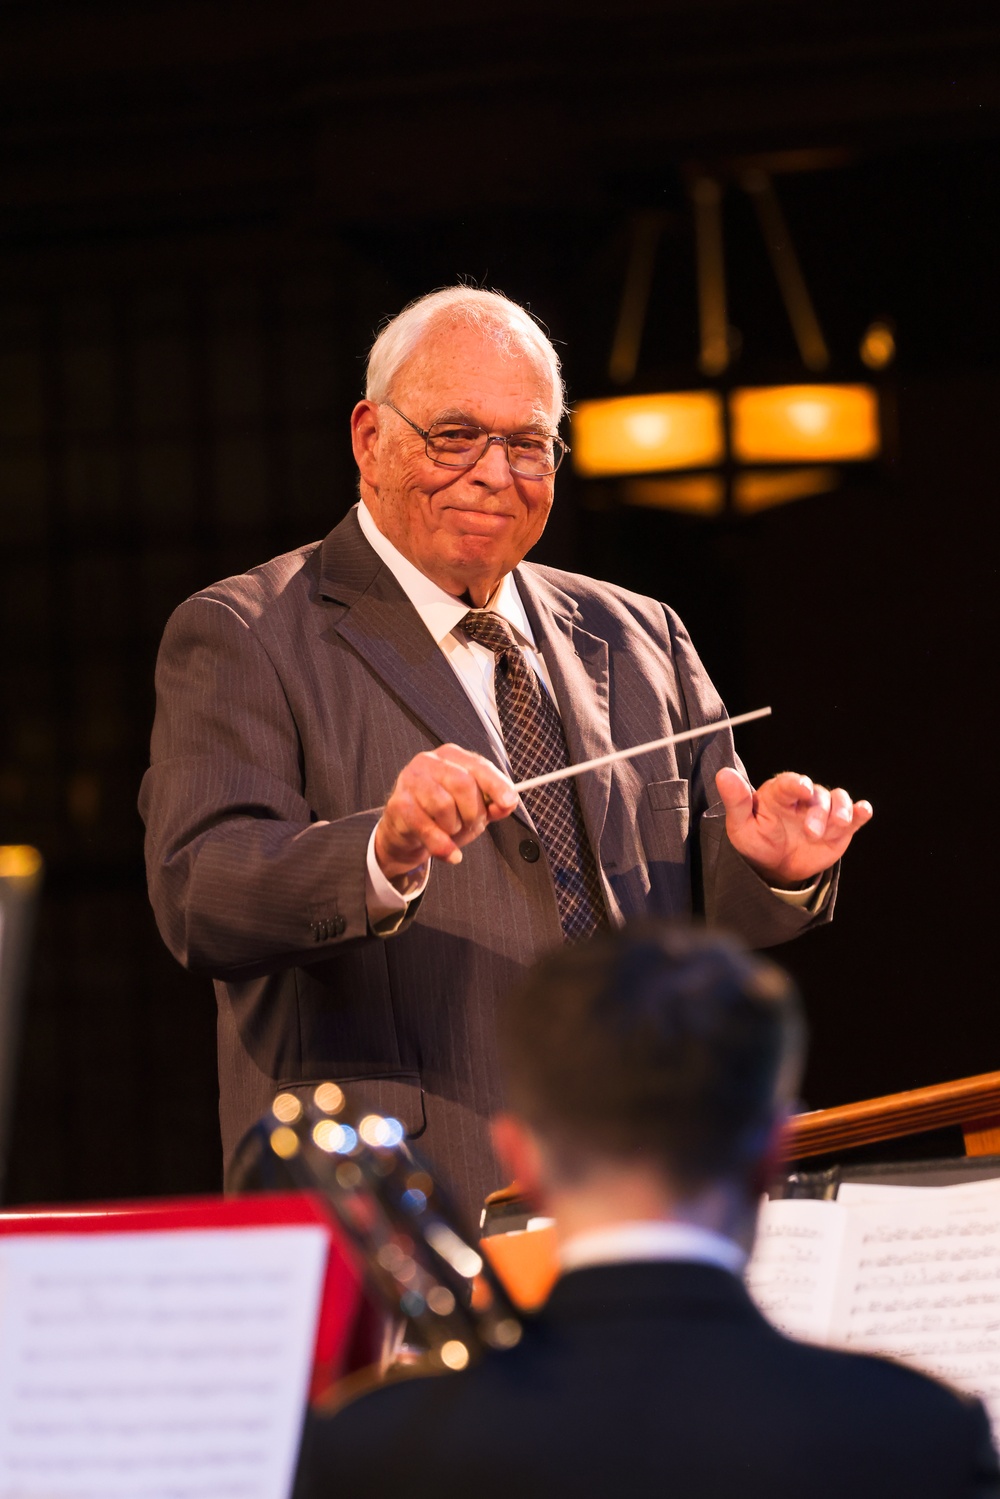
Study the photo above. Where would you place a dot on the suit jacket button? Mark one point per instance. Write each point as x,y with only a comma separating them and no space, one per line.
530,852
337,926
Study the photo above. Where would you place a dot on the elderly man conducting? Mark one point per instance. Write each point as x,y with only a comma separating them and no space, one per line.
332,830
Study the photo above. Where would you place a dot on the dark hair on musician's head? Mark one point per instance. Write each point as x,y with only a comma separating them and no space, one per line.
659,1042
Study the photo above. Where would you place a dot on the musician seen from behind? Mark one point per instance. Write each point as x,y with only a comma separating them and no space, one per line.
649,1072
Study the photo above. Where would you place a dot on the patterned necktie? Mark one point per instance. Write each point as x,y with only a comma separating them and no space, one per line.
535,743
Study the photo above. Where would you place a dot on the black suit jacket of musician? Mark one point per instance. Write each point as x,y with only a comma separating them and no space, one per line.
656,1379
288,700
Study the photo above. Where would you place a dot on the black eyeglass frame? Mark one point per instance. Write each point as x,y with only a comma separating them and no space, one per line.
562,448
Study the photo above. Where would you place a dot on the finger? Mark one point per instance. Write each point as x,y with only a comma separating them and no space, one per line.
469,805
846,816
445,791
788,788
437,843
482,793
817,813
410,823
451,797
737,797
841,811
497,789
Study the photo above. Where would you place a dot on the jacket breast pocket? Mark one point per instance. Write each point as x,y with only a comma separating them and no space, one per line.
663,822
668,796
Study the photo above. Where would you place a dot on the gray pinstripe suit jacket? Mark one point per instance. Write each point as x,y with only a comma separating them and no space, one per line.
288,700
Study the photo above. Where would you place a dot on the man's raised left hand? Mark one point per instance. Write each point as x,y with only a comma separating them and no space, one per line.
790,829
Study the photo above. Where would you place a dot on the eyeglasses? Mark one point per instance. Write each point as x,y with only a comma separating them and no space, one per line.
532,455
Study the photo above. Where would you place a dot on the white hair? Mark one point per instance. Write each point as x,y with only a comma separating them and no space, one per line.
509,325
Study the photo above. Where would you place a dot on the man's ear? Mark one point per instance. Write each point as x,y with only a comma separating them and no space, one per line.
519,1155
365,431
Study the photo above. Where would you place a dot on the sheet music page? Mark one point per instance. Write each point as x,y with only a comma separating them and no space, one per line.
792,1274
164,1365
851,1193
920,1282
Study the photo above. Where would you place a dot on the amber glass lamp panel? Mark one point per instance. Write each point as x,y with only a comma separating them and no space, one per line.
647,434
796,423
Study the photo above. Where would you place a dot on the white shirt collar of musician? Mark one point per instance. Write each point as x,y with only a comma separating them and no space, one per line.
441,611
651,1240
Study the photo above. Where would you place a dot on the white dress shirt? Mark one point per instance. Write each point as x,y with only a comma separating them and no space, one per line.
474,666
442,614
650,1240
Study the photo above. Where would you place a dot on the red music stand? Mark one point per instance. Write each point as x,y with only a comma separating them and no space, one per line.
348,1331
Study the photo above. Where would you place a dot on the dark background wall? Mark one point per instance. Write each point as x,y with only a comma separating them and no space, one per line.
206,209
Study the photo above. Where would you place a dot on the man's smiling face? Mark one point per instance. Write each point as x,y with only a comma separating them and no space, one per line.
464,528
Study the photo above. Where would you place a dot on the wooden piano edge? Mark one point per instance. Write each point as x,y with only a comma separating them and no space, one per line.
972,1102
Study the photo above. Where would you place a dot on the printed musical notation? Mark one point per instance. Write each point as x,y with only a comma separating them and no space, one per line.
893,1233
794,1266
908,1273
167,1365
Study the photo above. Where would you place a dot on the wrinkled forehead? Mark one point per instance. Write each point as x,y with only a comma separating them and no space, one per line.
491,375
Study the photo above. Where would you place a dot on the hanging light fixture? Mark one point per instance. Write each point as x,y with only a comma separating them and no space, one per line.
643,434
796,432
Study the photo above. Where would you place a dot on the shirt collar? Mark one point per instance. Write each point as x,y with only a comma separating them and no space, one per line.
441,612
627,1243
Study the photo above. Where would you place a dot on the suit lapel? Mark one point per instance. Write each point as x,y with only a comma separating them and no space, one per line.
379,622
578,665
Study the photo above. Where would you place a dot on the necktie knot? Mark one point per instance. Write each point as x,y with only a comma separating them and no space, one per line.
488,629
